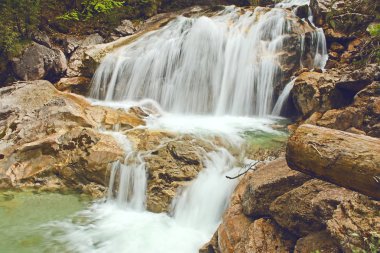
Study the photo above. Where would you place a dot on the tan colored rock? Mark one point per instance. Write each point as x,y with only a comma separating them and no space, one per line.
346,159
79,85
234,224
317,242
354,222
264,235
307,208
50,138
269,182
315,92
171,162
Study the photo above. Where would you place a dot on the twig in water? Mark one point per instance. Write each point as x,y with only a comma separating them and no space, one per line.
249,166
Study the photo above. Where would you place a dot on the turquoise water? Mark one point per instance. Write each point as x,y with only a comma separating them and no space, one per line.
23,213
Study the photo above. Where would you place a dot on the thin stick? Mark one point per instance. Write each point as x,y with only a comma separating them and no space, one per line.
250,166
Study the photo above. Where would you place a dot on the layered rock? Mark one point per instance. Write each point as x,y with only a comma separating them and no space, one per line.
50,139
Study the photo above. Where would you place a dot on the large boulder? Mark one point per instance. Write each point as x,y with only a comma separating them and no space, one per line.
307,208
39,62
50,139
343,19
268,183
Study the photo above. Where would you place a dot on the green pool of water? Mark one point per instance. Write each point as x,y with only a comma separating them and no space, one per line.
23,213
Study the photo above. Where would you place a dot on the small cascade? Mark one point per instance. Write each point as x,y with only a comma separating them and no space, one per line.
283,98
128,180
225,64
201,205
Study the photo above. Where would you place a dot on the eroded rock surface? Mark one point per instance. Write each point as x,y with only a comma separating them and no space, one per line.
307,208
50,139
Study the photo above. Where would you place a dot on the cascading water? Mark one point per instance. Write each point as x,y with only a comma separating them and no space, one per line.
225,66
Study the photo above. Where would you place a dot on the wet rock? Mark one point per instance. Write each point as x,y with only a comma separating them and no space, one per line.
173,163
317,242
39,62
355,223
50,138
307,208
268,183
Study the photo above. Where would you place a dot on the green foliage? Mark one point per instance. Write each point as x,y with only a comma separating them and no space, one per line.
374,29
90,8
18,20
372,244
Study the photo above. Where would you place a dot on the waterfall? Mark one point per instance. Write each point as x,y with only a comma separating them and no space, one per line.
283,98
225,64
209,75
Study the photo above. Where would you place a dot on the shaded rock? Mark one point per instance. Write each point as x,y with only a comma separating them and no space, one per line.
79,85
354,222
41,38
38,62
70,44
358,79
211,246
307,208
317,242
268,183
363,114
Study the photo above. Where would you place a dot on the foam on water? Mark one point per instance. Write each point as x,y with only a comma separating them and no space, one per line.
212,74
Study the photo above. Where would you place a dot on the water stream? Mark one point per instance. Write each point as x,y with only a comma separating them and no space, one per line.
203,76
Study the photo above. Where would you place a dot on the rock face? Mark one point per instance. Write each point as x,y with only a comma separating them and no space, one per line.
268,183
356,223
39,62
307,208
49,138
348,160
343,19
171,161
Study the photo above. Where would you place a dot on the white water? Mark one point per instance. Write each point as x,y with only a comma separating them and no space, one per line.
283,98
225,64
